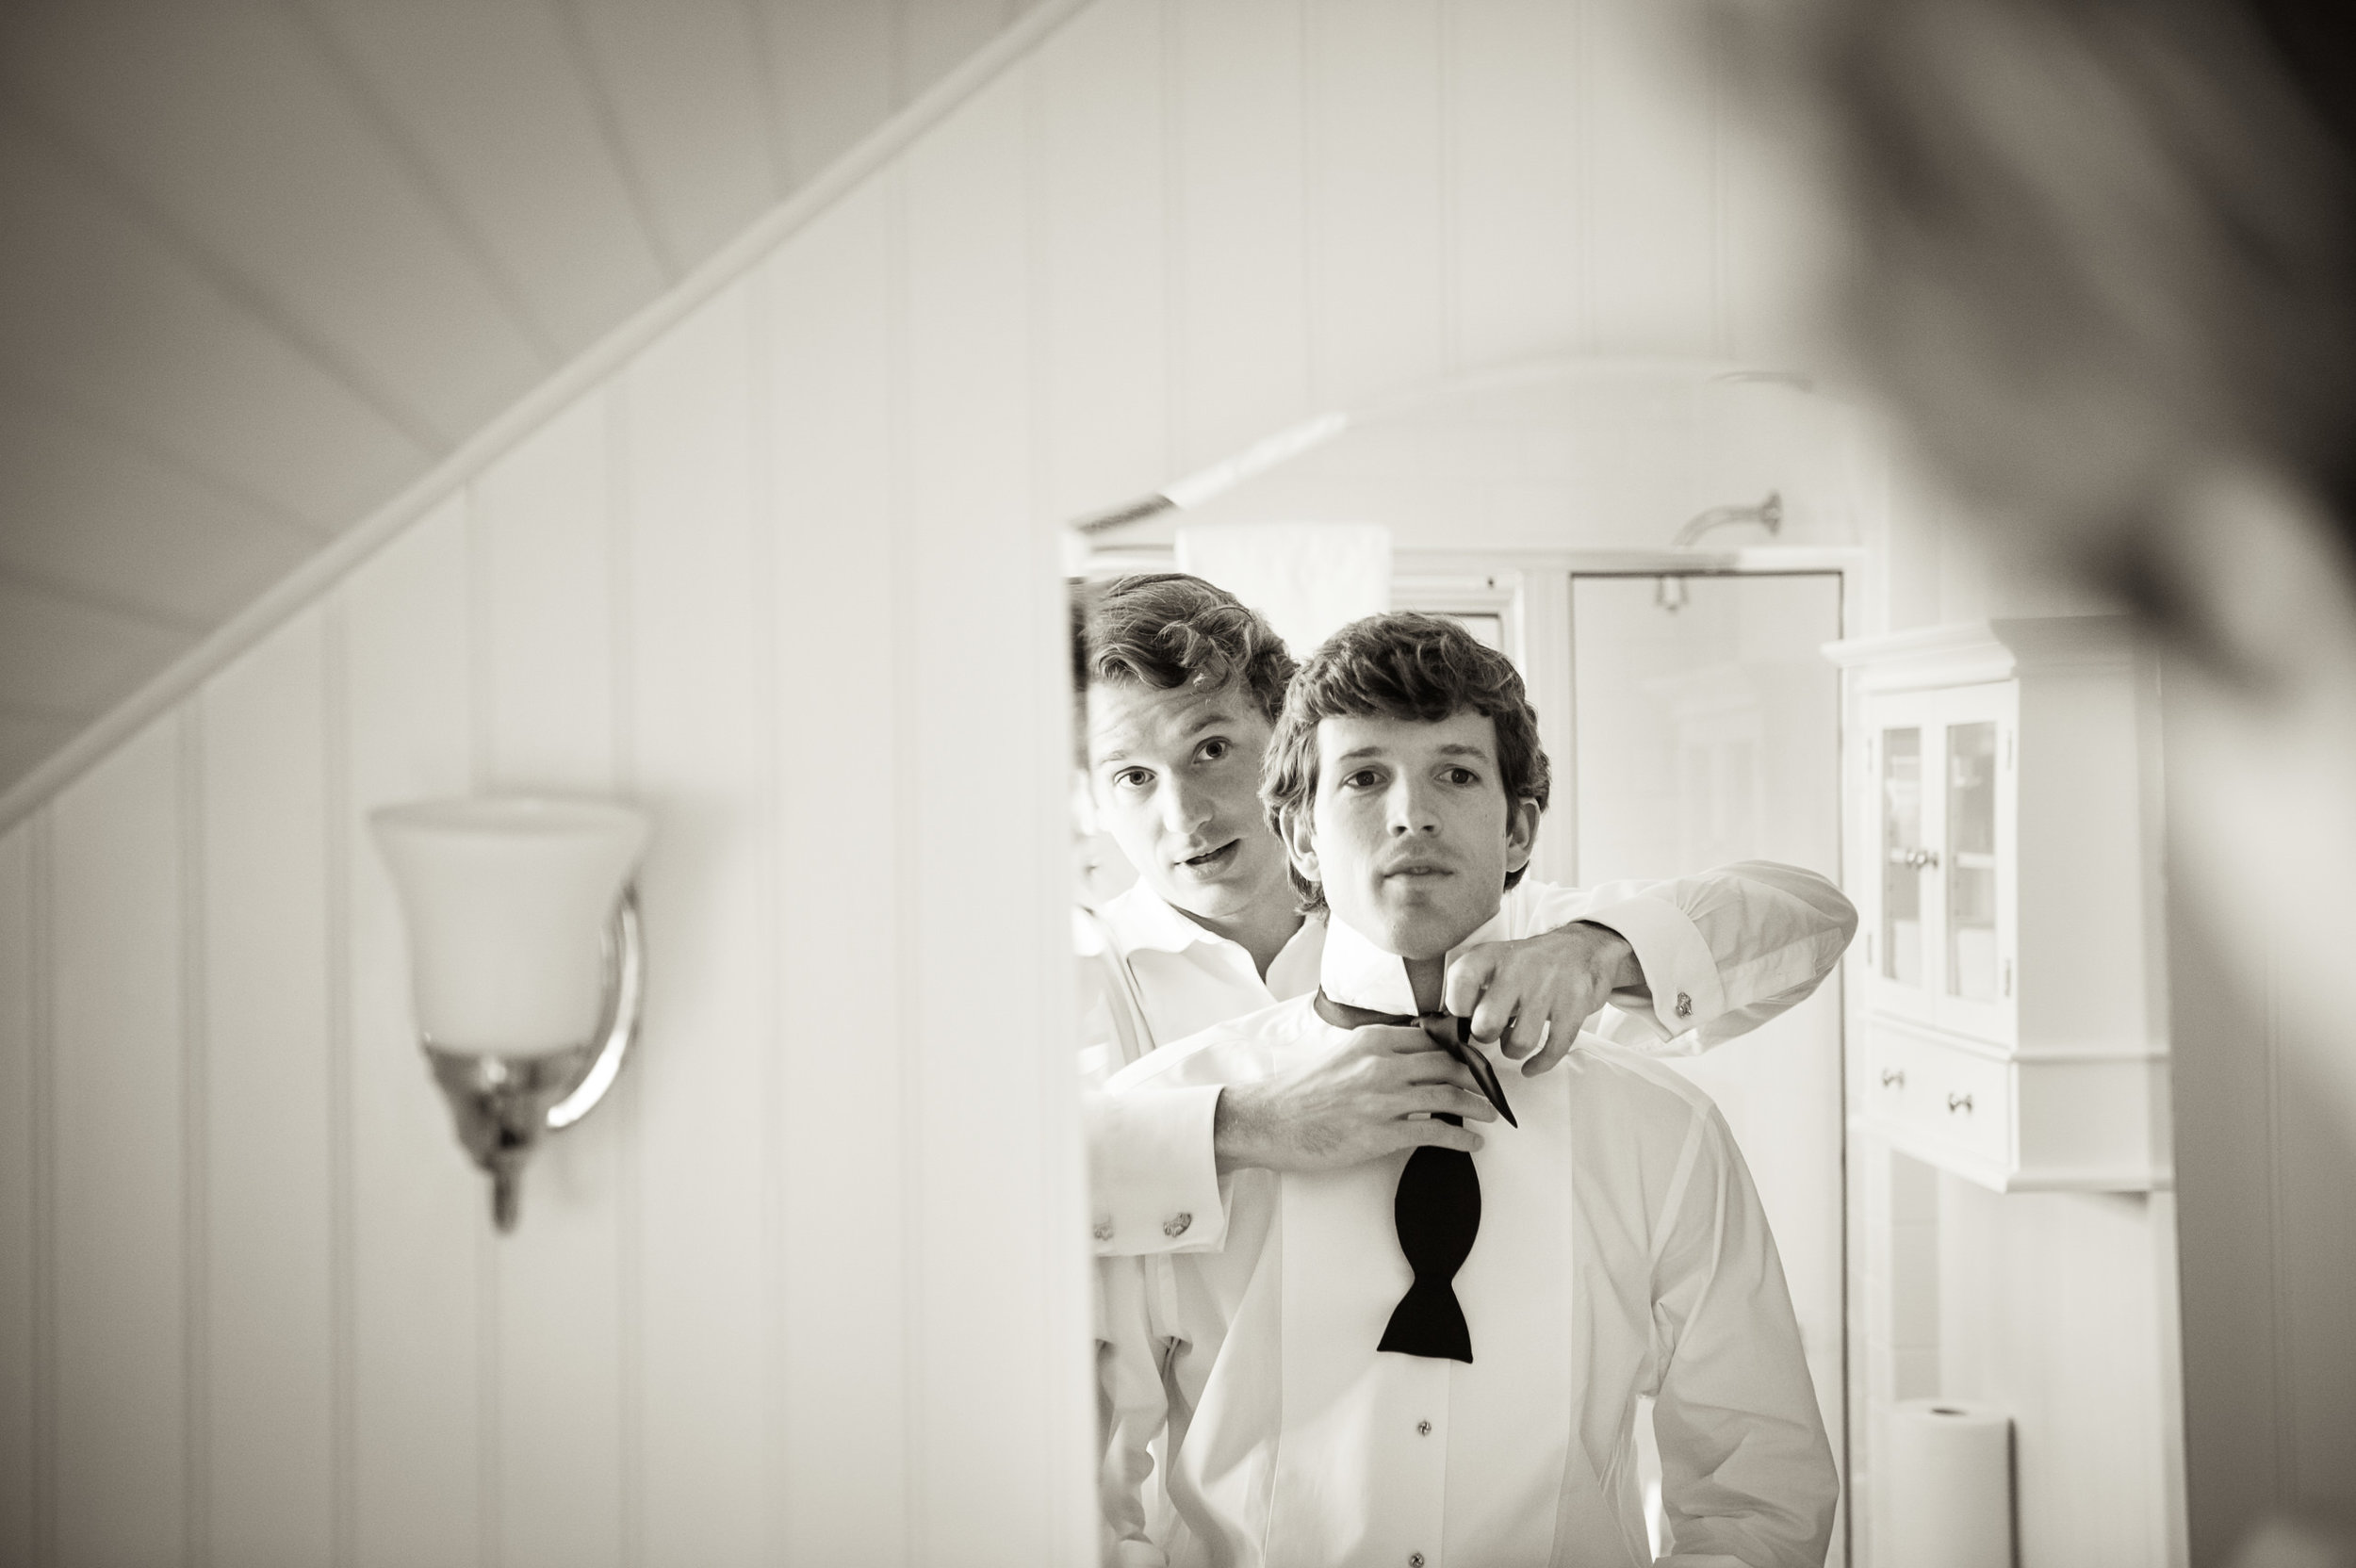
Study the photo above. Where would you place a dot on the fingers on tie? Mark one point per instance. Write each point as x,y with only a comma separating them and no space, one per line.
1561,1034
1467,978
1405,1039
1441,1134
1525,1035
1491,1018
1432,1098
1439,1068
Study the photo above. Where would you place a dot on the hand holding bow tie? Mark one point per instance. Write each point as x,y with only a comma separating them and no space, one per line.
1536,995
1381,1089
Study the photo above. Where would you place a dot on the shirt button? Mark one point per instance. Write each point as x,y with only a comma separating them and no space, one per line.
1176,1224
1423,1429
1103,1229
1415,1559
1685,1005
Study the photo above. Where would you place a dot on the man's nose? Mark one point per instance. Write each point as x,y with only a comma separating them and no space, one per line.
1185,807
1410,809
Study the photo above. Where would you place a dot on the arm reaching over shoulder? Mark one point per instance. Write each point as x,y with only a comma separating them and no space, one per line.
1698,959
1748,1476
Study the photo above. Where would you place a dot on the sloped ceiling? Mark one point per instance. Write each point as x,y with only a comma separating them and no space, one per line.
264,265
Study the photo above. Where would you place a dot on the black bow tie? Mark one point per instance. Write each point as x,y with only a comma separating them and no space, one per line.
1437,1209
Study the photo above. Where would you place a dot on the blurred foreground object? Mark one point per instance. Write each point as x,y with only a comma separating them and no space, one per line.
2100,260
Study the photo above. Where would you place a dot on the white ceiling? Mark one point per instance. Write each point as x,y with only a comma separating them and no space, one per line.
263,265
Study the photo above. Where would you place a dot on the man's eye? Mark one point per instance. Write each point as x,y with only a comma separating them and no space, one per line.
1214,750
1463,775
1362,778
1133,778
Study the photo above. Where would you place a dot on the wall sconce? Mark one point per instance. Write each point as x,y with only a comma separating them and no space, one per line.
524,961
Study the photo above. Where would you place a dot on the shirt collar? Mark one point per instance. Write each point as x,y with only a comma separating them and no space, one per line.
1360,974
1142,918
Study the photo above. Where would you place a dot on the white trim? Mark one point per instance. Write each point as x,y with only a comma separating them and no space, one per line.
1977,652
1982,1171
603,359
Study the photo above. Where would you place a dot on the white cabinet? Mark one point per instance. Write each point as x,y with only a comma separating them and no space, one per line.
2005,839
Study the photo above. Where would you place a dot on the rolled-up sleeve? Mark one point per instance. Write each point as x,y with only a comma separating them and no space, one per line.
1153,1175
1747,1476
1721,952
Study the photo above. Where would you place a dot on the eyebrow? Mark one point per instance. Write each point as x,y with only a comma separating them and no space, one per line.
1454,748
1209,721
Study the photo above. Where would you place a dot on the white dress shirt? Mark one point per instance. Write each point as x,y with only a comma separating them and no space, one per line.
1622,1252
1721,953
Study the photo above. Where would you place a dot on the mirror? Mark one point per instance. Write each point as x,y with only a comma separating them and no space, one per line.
1679,691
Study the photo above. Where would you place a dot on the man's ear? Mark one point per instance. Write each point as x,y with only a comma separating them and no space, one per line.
1300,841
1521,834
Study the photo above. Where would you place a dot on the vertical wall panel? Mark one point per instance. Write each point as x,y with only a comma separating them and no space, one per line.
419,1215
1238,226
546,666
978,1345
269,1168
842,1387
1097,144
19,1198
1650,231
1514,218
117,1061
1379,254
700,766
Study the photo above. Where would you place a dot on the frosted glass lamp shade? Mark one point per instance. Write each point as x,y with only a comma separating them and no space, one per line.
508,903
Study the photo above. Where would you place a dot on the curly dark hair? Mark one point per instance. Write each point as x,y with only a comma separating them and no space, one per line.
1166,629
1402,665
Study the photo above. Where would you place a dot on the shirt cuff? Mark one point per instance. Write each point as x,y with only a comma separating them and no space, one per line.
1153,1175
1680,972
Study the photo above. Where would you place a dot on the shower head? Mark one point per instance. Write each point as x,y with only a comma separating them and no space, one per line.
1767,513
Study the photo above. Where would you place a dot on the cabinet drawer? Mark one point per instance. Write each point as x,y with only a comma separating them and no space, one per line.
1940,1101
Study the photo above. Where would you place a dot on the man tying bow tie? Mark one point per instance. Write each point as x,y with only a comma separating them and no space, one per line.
1180,686
1389,1370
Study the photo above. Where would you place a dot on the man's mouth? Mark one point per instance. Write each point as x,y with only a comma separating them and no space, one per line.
1212,860
1419,869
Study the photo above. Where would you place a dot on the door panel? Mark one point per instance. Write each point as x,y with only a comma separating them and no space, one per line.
1708,730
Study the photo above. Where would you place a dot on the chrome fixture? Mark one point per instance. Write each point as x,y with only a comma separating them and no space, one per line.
1767,515
526,964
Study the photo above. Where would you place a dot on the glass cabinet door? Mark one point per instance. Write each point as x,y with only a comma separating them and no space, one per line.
1903,952
1972,953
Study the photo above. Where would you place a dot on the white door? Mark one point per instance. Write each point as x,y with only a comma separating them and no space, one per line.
1708,730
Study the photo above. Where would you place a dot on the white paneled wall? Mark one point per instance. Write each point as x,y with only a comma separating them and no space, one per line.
808,1288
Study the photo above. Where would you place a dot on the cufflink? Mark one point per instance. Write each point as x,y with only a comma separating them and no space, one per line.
1103,1229
1175,1226
1685,1005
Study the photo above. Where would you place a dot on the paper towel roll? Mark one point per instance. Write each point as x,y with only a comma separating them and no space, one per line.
1947,1486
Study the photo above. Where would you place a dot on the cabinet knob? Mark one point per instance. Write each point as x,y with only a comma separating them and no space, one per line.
1893,1078
1959,1102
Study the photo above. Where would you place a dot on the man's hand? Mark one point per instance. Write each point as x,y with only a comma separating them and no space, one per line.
1536,994
1372,1095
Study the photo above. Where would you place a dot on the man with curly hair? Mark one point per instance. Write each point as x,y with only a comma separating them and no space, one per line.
1435,1356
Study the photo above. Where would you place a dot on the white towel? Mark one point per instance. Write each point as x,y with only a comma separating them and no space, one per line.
1310,580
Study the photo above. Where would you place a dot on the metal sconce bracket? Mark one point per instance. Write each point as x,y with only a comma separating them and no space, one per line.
501,1105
